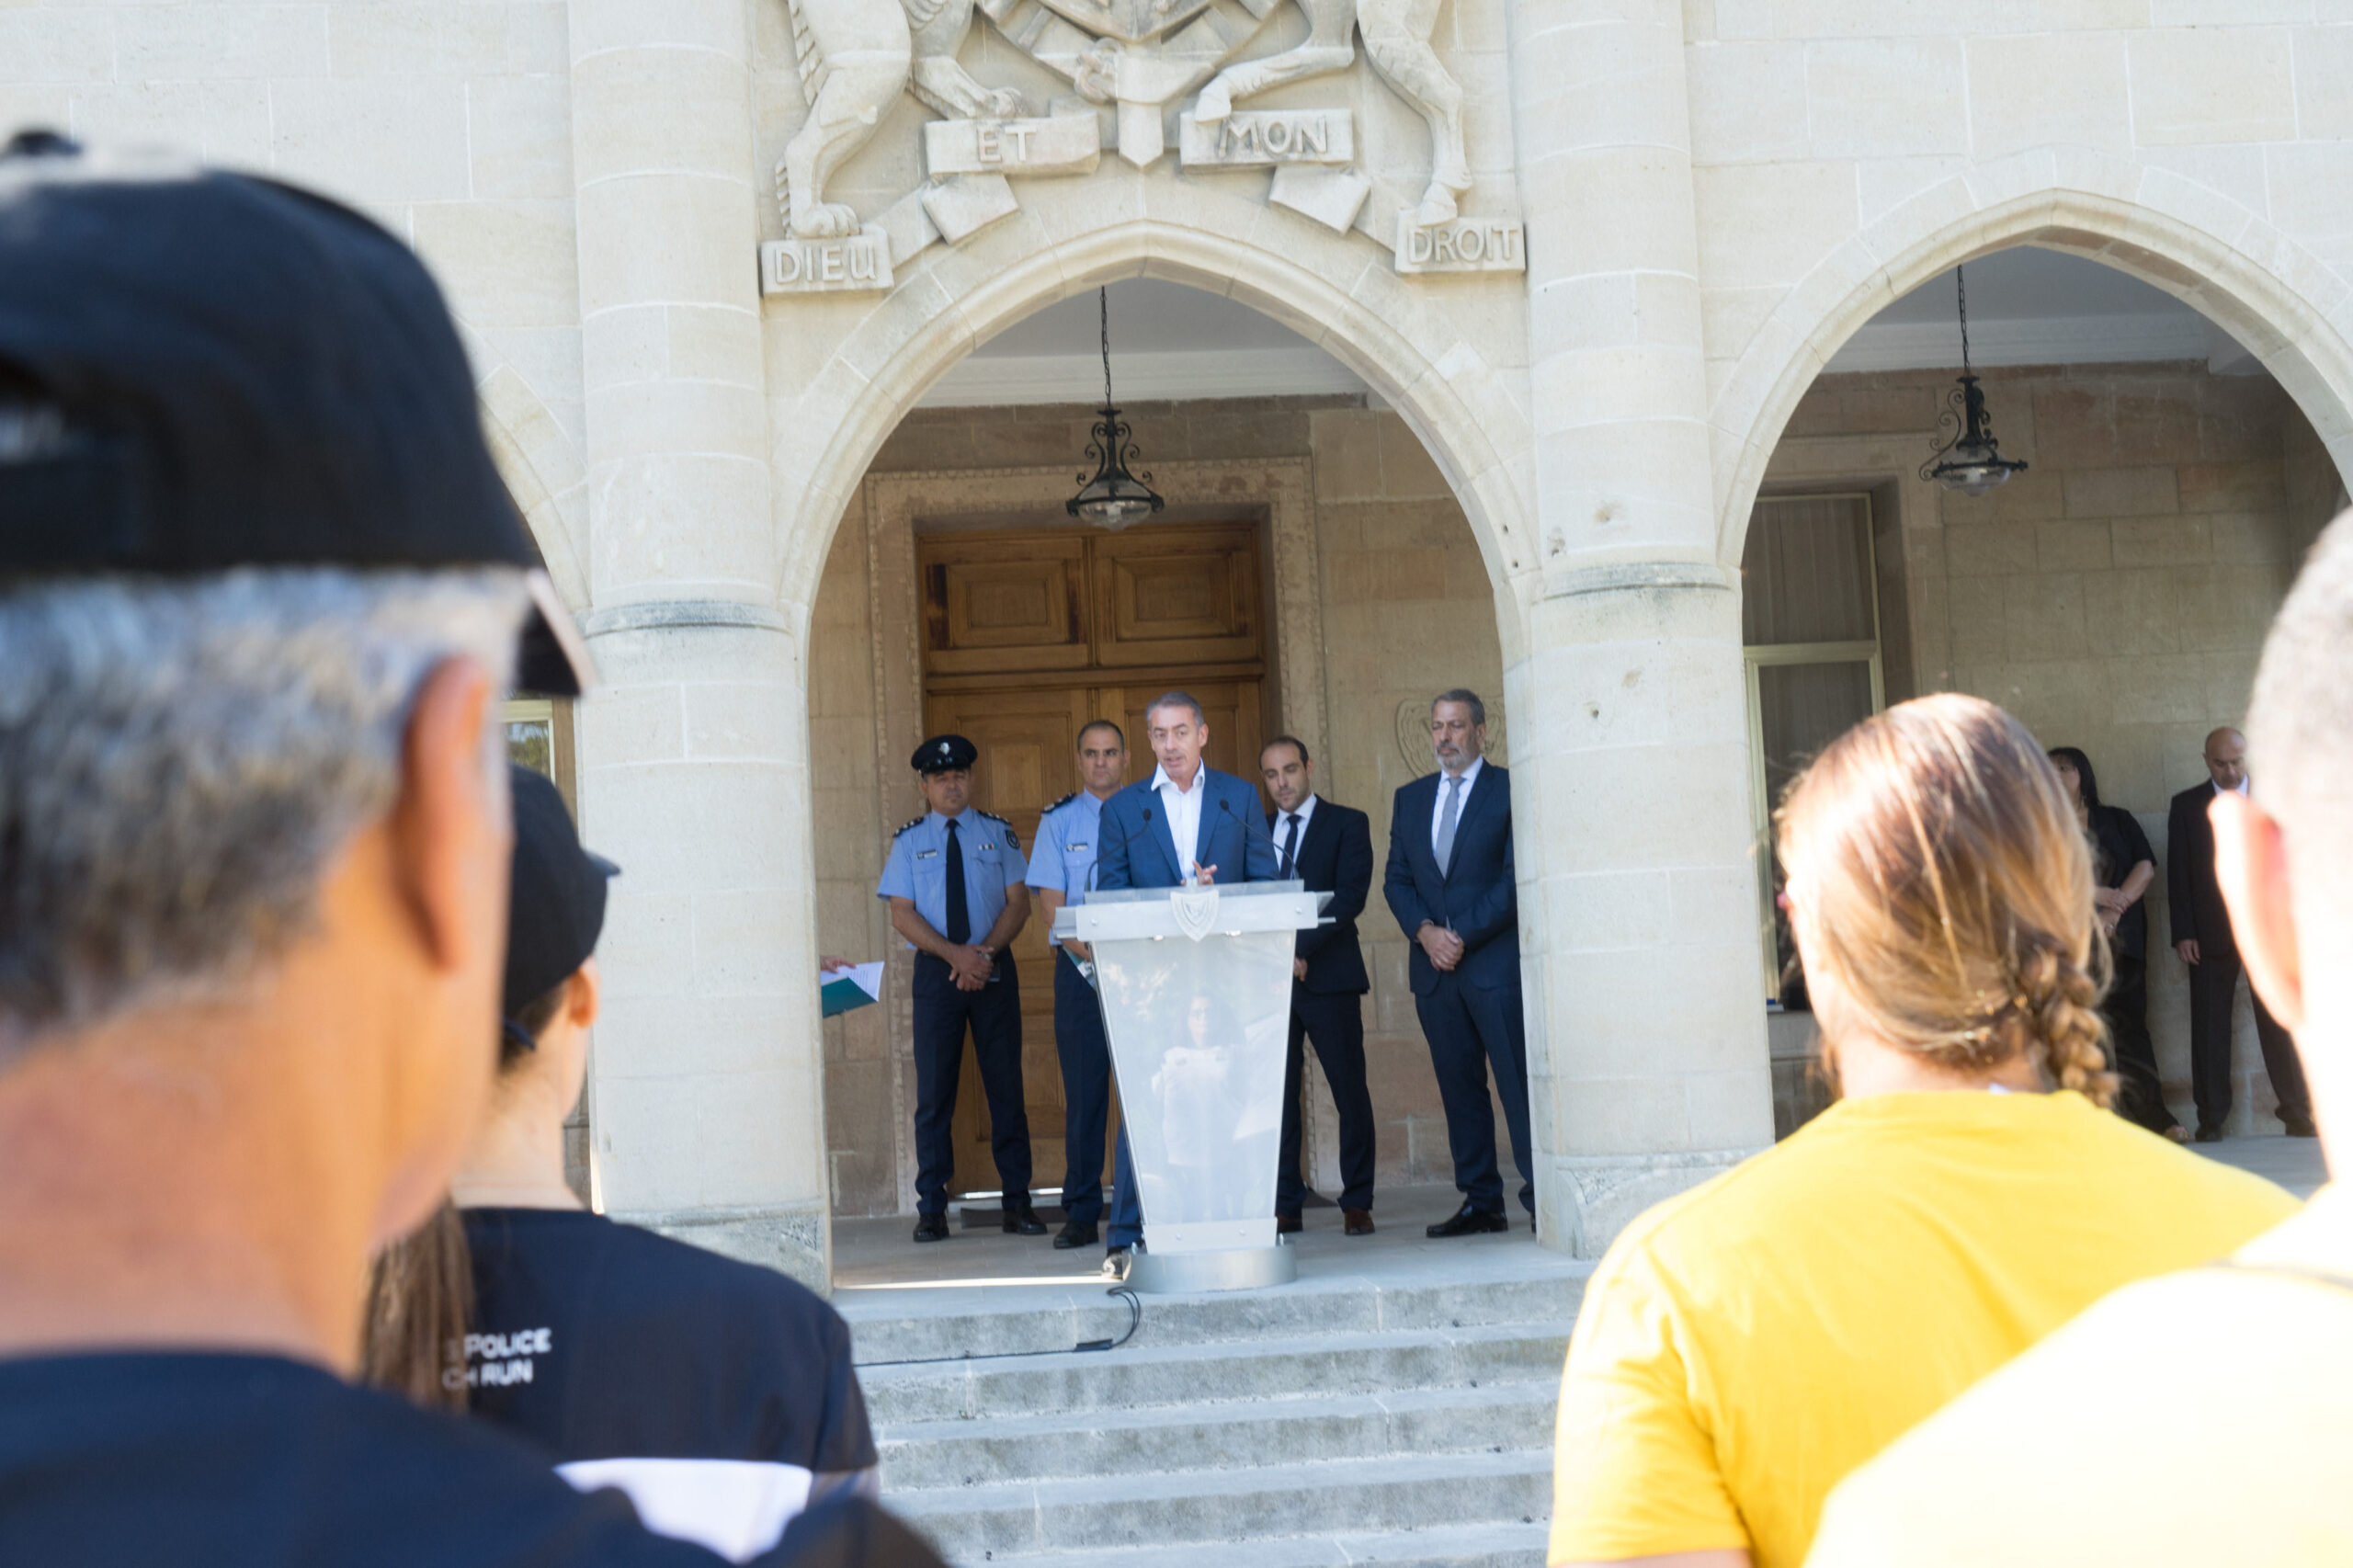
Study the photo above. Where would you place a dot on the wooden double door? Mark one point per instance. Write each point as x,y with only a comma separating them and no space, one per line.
1030,636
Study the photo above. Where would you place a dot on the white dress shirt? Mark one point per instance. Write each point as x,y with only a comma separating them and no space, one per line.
2241,789
1437,812
1183,808
1282,827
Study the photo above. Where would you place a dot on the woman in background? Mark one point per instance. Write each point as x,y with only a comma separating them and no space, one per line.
1745,1344
2122,868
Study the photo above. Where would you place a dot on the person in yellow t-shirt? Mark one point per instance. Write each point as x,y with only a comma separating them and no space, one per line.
2200,1418
1745,1344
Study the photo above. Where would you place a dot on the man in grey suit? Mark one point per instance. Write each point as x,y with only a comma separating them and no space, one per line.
1450,882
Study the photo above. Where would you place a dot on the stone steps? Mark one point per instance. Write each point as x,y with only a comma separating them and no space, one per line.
953,1453
1216,1507
1334,1422
1510,1545
1191,1374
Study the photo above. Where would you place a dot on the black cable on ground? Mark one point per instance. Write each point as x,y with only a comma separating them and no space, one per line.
1135,1321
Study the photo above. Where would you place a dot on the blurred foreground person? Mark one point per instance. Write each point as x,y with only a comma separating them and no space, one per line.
2239,1451
259,588
1745,1344
718,1395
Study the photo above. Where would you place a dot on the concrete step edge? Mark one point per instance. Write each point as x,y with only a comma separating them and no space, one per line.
1223,1353
886,1333
1291,1479
1242,1411
1443,1544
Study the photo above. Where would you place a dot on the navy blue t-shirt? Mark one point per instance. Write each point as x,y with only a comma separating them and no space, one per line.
215,1461
717,1393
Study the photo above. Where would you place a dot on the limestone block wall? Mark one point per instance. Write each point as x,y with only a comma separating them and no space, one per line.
1406,611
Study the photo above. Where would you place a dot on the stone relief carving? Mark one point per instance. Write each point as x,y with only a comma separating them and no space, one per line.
1137,58
1413,735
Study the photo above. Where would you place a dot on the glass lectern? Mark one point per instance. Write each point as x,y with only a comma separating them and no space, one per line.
1194,984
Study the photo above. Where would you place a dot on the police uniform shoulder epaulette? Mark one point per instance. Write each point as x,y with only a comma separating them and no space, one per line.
905,826
1058,805
1011,837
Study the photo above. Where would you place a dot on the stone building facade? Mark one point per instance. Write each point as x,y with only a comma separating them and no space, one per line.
1602,325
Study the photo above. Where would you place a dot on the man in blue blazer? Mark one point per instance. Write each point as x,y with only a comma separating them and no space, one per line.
1451,885
1217,820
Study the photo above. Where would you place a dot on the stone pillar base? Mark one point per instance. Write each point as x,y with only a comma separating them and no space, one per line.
1593,1197
789,1238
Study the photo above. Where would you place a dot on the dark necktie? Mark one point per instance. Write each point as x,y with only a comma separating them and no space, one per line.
1291,841
960,913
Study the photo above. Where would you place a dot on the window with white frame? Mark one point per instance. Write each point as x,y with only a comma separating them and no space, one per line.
1809,634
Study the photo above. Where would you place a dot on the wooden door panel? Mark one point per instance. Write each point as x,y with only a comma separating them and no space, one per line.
996,604
1178,595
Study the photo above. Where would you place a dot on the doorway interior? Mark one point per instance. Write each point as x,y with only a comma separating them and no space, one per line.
1027,634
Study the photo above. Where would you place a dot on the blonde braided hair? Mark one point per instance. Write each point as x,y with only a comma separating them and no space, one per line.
1941,895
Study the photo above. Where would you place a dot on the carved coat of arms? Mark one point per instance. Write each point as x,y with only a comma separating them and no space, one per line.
1136,58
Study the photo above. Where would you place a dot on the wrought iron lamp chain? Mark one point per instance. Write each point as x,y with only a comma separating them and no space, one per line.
1111,497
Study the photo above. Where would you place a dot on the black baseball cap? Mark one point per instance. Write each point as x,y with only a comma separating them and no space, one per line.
202,371
556,905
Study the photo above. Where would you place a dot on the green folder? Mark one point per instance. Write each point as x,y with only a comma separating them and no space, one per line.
847,990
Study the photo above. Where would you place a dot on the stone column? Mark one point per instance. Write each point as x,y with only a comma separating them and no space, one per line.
707,1109
1628,726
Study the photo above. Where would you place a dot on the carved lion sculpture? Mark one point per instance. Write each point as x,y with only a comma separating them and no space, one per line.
856,57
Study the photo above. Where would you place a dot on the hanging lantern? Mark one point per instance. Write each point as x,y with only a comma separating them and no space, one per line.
1967,458
1112,497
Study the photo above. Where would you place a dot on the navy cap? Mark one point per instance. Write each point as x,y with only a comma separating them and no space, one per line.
202,371
941,753
555,908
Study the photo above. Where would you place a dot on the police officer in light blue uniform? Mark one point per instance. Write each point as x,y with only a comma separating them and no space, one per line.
1062,869
954,883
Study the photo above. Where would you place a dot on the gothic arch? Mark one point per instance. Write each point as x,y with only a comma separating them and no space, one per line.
2293,311
1460,407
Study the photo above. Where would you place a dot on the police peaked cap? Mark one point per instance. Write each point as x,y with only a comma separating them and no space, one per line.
941,753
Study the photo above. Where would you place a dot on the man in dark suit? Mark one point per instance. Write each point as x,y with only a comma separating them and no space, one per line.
1329,847
2201,935
1216,818
1450,882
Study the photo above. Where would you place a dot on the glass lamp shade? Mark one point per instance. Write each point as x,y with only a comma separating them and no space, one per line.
1971,469
1113,511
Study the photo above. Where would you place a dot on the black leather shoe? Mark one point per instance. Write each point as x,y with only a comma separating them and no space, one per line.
1357,1222
1288,1224
1076,1233
1469,1221
1021,1219
2210,1135
931,1227
2302,1130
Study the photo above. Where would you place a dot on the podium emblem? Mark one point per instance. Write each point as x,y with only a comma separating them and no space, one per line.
1195,909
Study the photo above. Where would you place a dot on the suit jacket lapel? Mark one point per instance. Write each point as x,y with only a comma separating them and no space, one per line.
1206,830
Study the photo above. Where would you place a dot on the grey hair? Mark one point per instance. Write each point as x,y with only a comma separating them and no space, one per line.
2299,722
1467,698
180,759
1177,699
